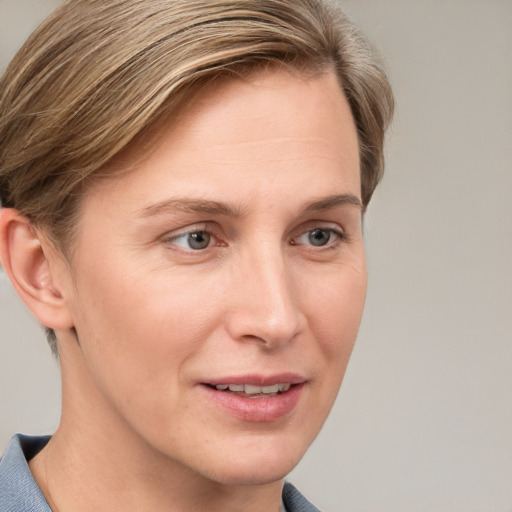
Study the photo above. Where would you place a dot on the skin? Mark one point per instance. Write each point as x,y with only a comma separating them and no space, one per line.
155,319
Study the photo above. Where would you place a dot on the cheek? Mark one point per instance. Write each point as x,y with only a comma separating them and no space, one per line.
336,310
141,324
137,335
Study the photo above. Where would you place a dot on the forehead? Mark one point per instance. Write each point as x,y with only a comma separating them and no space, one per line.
243,134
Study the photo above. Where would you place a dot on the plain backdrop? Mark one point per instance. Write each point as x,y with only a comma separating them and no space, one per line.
424,418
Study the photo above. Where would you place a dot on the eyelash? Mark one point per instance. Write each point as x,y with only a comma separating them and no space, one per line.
214,238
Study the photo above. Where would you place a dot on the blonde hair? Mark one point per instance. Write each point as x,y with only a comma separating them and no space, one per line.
99,73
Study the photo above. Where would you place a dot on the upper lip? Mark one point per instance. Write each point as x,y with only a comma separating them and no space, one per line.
258,380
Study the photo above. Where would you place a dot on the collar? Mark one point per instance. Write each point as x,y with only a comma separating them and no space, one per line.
18,489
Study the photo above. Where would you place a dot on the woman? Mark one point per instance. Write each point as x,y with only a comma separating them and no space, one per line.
183,186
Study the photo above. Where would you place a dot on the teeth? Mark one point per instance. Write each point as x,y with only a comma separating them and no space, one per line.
249,389
252,390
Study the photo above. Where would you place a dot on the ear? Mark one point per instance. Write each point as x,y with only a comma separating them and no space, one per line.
32,269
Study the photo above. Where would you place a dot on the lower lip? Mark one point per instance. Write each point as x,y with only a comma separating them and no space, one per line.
257,410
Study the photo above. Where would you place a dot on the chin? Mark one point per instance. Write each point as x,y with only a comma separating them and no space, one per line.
257,465
251,475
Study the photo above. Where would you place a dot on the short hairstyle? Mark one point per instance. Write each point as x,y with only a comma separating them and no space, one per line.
99,73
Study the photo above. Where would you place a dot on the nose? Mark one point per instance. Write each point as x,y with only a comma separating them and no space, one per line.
265,307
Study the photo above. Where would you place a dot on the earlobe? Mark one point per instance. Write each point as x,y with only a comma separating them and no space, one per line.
31,270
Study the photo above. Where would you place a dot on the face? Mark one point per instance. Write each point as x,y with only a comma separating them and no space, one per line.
217,288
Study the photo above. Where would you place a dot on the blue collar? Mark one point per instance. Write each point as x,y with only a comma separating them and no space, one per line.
18,489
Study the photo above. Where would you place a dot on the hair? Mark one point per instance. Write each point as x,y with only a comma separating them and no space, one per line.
99,73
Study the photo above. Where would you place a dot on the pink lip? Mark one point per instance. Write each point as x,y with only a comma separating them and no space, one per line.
261,409
258,380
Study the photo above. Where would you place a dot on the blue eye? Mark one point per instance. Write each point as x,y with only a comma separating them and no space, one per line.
319,237
196,240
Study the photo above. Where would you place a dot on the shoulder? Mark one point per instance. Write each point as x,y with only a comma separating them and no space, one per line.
18,489
294,501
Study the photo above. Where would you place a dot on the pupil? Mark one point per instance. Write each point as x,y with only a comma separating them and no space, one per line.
199,240
319,237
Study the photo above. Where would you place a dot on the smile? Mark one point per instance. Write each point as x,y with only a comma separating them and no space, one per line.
266,402
251,391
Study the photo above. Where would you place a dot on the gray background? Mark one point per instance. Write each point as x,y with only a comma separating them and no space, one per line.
424,418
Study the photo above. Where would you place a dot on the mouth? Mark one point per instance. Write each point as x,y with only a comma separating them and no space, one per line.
256,399
252,391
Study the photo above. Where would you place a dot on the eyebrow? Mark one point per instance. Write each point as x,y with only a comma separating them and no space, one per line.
171,206
178,205
332,202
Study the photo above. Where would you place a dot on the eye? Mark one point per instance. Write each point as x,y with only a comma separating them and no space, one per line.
195,240
319,237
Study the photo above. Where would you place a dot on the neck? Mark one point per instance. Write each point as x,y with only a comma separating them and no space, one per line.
80,476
